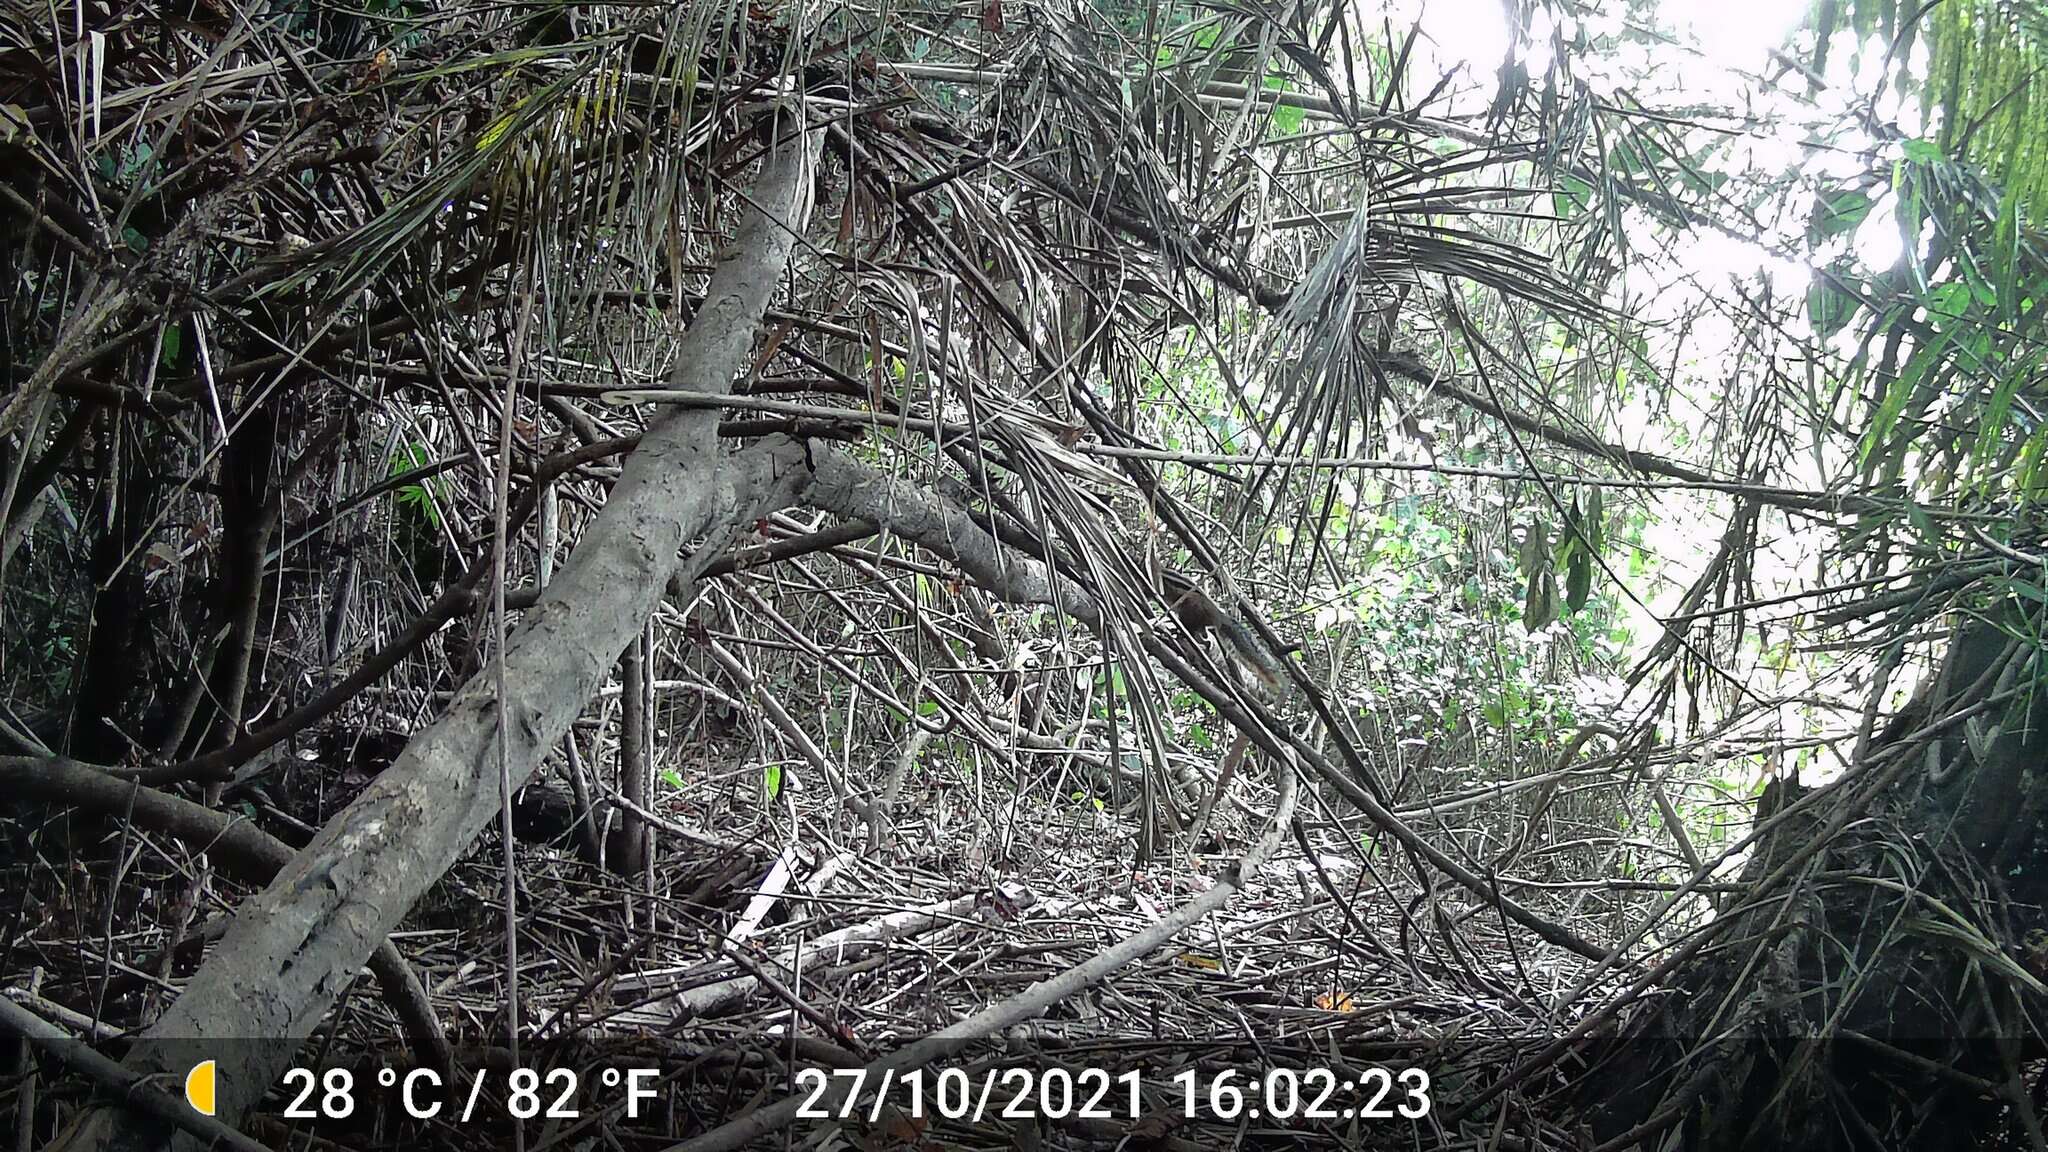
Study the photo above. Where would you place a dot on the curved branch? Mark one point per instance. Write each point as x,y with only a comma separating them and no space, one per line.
863,492
246,850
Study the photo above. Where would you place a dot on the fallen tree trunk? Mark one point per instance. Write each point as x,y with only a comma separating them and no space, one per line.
294,947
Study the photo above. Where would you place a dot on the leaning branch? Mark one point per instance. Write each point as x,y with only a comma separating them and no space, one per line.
861,492
294,947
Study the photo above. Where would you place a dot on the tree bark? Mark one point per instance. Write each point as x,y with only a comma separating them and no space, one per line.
295,947
1876,986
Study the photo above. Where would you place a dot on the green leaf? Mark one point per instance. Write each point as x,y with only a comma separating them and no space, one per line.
1570,197
1839,213
415,496
1917,516
1829,308
1539,606
771,777
1286,117
1578,581
1568,542
672,778
1980,288
1901,390
1991,424
1950,301
1535,556
2026,590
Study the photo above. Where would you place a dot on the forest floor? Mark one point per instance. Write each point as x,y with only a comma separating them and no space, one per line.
779,928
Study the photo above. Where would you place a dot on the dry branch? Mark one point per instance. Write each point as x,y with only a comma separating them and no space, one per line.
746,1129
245,849
141,1092
837,947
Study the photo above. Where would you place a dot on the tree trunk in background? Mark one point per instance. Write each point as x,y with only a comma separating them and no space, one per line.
294,948
627,854
114,649
246,519
1869,990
